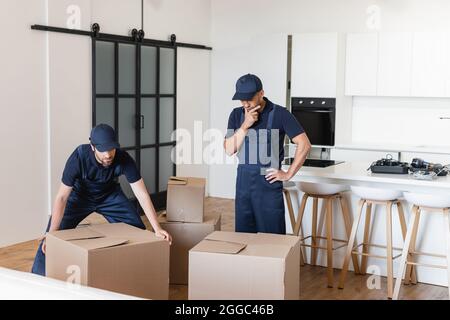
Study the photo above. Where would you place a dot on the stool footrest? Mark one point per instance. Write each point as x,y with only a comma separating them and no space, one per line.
427,265
377,246
375,255
322,238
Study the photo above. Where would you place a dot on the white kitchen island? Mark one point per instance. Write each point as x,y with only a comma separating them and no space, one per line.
431,230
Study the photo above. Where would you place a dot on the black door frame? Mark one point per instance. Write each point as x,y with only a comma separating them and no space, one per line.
159,197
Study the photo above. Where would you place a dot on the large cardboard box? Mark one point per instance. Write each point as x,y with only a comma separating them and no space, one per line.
184,237
185,199
230,265
116,257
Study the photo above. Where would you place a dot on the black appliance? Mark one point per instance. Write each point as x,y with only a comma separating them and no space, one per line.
319,163
318,117
389,165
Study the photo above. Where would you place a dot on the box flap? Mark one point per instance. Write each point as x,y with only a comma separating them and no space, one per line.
218,246
91,244
177,181
208,218
125,231
77,234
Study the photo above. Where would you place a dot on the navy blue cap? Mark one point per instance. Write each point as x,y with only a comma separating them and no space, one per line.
103,137
247,86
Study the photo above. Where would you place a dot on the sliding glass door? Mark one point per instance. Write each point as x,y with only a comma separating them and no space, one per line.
134,91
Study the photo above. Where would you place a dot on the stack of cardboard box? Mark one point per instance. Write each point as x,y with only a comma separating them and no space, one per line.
187,222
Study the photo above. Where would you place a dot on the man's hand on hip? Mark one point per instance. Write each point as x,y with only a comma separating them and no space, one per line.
276,175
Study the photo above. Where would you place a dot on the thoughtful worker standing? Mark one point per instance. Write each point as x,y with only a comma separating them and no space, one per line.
90,183
256,131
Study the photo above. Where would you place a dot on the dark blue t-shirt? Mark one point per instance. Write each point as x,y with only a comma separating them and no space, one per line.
283,120
99,180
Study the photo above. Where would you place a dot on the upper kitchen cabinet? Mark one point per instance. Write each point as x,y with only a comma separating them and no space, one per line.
361,64
313,68
394,64
267,58
430,65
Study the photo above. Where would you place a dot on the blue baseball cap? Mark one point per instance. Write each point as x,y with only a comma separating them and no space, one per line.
103,137
247,86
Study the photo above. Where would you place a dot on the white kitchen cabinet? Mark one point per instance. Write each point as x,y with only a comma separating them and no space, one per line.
314,63
361,64
267,58
394,63
430,65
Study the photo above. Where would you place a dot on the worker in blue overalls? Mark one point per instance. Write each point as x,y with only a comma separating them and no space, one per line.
90,184
256,132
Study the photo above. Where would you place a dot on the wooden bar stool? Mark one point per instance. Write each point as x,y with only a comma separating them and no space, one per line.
369,197
429,203
287,194
328,193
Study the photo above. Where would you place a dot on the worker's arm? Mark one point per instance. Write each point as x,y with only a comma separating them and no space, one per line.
234,143
303,147
58,209
140,191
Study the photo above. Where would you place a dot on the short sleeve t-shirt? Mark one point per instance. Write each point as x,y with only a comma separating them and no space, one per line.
283,120
90,179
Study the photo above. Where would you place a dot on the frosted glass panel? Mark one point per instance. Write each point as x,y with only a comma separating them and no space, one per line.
166,119
127,122
165,167
104,67
123,180
148,159
148,70
104,111
167,71
148,111
127,69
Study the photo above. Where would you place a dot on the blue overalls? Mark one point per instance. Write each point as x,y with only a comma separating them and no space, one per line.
114,206
259,205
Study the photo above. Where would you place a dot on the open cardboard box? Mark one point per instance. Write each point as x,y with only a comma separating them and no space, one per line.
184,237
231,265
116,257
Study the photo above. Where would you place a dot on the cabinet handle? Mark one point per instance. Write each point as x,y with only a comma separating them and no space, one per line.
142,121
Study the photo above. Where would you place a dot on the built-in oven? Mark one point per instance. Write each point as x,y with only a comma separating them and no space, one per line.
317,117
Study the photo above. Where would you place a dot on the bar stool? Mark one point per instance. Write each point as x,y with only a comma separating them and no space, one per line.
289,188
430,203
369,197
329,193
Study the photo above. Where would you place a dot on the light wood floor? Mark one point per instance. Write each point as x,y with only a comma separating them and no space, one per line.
312,280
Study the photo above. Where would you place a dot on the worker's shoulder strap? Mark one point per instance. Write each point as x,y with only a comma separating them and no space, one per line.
81,159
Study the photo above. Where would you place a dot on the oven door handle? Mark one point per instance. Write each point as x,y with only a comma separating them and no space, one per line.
316,110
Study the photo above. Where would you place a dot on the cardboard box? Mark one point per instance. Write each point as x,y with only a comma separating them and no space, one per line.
184,237
255,266
185,199
116,257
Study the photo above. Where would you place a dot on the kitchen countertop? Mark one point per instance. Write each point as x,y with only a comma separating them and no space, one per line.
355,173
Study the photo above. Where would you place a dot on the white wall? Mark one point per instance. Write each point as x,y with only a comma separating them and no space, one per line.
233,30
69,87
23,122
71,55
46,97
